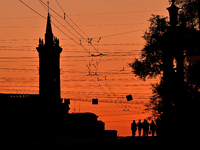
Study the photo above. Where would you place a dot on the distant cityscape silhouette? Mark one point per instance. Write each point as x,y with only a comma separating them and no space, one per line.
46,116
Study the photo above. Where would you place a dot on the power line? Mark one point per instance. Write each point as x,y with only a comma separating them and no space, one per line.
101,82
65,20
65,28
76,25
117,34
114,13
19,18
32,9
57,20
70,38
71,20
54,25
43,6
80,44
87,40
115,24
60,6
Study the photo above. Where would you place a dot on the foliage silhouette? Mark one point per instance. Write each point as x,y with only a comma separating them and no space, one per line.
183,83
151,64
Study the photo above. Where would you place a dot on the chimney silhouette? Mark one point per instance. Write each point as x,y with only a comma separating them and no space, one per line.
49,66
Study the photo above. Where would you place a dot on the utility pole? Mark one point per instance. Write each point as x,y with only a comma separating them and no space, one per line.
169,74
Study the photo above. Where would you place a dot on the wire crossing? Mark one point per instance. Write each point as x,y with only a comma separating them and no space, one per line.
86,39
54,25
101,79
32,9
71,19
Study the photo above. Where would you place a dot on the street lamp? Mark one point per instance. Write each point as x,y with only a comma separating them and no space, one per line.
173,13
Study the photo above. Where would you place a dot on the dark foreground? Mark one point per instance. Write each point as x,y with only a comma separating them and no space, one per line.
137,143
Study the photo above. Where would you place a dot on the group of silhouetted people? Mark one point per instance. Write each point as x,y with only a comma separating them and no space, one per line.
145,126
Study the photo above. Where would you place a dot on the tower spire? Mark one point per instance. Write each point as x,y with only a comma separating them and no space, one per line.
49,66
48,27
49,33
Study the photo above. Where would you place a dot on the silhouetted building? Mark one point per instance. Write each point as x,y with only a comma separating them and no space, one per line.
49,66
86,125
43,115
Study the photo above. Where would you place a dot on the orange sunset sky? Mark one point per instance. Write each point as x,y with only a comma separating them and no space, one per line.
119,23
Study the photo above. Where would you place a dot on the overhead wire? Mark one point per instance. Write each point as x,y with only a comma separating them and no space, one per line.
71,19
87,40
65,27
58,21
106,92
55,26
122,33
103,82
97,70
73,39
109,89
62,18
114,13
99,85
32,9
43,5
93,64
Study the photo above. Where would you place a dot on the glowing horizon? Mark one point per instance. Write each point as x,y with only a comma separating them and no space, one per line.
120,24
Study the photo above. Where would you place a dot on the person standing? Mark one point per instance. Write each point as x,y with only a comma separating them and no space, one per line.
139,125
152,128
145,128
133,128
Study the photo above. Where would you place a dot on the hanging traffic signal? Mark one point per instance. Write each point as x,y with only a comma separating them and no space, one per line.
129,97
94,101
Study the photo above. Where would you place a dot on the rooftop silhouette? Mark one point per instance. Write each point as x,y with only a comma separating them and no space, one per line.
43,115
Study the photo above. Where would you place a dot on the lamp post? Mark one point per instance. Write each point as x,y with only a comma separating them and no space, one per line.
175,36
169,75
172,50
173,13
175,41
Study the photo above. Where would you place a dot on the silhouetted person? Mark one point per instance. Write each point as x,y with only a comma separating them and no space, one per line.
133,128
145,128
139,127
152,128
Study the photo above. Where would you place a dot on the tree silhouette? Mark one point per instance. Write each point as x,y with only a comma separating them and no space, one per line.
181,84
151,63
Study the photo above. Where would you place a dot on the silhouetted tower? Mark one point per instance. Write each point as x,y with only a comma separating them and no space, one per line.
49,66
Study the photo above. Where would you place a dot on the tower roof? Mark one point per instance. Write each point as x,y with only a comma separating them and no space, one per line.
48,34
48,27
